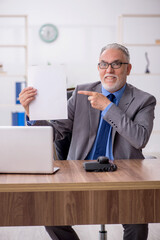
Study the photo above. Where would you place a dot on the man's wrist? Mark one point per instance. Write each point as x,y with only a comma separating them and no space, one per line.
106,109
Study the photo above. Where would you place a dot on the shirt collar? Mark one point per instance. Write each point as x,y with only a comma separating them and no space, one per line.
118,94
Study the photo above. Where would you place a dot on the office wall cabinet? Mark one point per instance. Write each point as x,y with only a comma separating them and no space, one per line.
13,62
141,35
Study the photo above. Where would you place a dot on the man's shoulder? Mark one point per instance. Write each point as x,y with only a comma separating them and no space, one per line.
136,92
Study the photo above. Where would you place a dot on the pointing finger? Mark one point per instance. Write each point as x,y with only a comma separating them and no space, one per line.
87,93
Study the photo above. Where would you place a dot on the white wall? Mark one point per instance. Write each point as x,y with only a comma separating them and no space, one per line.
85,26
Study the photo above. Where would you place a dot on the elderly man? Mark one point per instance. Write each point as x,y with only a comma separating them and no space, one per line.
105,118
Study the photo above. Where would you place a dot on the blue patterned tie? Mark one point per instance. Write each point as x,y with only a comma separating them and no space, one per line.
103,135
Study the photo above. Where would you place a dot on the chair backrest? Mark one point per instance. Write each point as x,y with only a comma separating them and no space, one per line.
62,146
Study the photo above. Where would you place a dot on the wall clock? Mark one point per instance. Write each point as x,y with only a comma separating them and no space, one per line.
48,33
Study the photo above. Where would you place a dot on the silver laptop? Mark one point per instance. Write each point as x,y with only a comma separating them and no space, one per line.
26,150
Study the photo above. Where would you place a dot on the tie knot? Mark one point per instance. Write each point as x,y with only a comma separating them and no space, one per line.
111,97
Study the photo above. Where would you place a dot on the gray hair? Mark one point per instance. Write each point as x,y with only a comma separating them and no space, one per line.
119,47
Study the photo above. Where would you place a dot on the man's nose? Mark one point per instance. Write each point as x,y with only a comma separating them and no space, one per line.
109,69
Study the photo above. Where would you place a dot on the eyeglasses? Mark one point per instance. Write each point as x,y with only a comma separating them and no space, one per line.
114,65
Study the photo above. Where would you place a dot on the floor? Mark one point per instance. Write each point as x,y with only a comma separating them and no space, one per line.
114,232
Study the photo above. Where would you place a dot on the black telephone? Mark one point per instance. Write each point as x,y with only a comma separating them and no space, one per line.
102,165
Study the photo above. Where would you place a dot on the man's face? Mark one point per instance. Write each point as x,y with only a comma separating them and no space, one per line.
114,79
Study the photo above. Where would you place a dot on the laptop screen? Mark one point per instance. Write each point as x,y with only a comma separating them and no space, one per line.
26,149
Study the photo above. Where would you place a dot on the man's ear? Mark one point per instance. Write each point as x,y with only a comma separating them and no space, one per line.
129,67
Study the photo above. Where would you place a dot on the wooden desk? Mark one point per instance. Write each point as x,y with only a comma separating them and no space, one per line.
73,196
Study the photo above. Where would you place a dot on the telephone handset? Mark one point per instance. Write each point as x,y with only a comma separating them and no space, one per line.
102,165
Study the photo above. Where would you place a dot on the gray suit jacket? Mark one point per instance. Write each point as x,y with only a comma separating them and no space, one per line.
131,121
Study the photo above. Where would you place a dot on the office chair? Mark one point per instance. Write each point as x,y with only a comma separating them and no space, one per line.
61,148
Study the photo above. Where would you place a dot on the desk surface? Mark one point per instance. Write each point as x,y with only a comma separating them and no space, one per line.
74,196
131,174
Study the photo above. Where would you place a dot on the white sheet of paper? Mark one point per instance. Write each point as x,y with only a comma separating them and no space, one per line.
51,100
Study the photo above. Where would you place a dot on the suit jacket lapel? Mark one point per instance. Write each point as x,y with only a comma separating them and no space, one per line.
124,104
126,99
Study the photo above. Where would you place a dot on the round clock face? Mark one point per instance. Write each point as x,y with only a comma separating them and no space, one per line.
48,33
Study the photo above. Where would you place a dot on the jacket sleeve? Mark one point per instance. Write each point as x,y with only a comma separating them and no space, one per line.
136,123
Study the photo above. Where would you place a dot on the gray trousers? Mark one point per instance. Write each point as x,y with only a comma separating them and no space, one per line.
131,232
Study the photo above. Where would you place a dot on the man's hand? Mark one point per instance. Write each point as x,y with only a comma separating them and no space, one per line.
26,96
97,100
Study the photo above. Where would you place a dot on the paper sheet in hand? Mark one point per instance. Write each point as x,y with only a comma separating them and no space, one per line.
51,100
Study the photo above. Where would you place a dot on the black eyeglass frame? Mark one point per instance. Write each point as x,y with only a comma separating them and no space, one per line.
111,64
